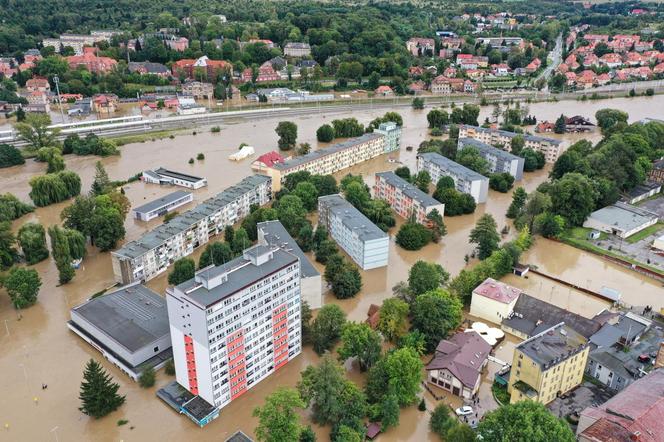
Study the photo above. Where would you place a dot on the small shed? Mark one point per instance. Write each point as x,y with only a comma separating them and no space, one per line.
373,430
594,234
520,270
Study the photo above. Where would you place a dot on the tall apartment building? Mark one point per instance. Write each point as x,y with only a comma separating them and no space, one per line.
500,161
338,156
405,198
235,324
548,364
465,180
78,41
549,147
366,244
151,255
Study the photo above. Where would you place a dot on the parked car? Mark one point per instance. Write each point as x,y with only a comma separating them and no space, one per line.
464,411
644,358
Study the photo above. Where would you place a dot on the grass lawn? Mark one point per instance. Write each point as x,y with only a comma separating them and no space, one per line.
500,393
645,233
581,233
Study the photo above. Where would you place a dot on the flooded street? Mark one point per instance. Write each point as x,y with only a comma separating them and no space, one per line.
40,349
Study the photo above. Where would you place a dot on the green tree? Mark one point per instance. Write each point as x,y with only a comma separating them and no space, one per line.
308,194
240,242
32,240
359,341
53,157
426,276
413,236
12,208
229,234
560,126
147,378
485,235
55,187
611,120
461,433
22,286
287,132
277,419
471,158
389,412
517,144
422,180
346,281
305,238
327,327
10,156
441,421
325,250
501,182
418,103
303,149
415,340
307,435
101,183
403,172
436,225
35,132
216,253
438,118
573,197
524,420
99,394
549,225
393,319
305,322
434,314
404,369
183,270
292,213
518,201
325,133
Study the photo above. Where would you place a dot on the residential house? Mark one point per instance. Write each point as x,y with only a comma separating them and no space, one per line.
634,414
493,300
198,89
611,60
266,73
457,364
146,67
384,91
657,172
179,44
533,66
92,62
38,84
297,49
500,70
420,46
104,104
578,123
201,68
468,61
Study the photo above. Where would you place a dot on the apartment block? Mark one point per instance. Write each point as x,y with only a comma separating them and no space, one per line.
549,147
338,156
405,198
78,41
235,324
366,244
273,233
465,180
500,161
150,255
548,364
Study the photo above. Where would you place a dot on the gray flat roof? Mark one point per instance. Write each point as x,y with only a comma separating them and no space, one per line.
504,133
486,148
641,189
450,166
161,202
623,216
178,175
553,345
317,154
409,189
182,222
352,218
133,316
241,273
276,235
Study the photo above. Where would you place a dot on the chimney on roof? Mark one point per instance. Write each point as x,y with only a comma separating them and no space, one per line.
635,436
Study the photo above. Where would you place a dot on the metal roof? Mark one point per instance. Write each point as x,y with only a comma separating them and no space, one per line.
447,165
553,345
485,148
161,202
276,235
408,189
352,218
623,216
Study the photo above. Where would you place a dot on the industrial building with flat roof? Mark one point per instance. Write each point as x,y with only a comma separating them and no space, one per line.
273,233
128,326
150,255
550,147
163,205
406,199
620,219
386,138
500,161
465,180
366,244
234,324
164,176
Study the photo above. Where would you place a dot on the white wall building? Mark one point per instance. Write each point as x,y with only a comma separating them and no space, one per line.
548,146
366,244
465,180
405,198
150,255
164,176
493,300
235,324
163,205
500,161
620,219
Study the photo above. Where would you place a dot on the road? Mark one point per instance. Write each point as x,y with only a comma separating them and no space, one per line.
556,57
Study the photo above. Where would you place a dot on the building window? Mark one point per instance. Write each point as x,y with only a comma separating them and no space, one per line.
156,349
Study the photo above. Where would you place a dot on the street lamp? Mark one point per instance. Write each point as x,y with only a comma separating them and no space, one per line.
56,80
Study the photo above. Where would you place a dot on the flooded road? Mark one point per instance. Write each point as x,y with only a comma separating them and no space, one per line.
40,349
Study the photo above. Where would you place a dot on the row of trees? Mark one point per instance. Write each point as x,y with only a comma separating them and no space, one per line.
468,114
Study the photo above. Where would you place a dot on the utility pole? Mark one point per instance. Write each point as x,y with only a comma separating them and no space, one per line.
56,80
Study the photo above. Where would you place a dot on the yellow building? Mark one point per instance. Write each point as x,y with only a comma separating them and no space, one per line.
548,364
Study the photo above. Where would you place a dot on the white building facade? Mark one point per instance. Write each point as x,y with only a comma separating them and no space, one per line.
235,324
465,180
548,146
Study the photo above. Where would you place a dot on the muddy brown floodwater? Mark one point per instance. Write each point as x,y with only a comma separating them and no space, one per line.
38,348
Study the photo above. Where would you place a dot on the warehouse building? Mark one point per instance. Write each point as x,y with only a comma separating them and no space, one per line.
163,205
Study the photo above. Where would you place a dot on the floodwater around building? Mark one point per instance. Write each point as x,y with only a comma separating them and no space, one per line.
36,347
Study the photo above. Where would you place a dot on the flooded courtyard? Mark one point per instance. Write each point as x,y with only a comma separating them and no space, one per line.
36,347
